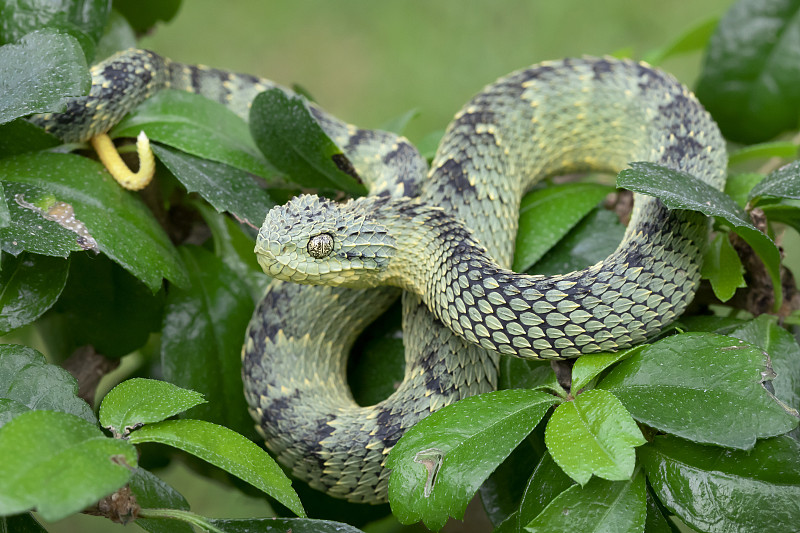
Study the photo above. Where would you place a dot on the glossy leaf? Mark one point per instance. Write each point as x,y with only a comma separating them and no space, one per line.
197,126
439,463
593,239
227,450
724,491
225,188
22,523
784,354
28,382
235,248
58,464
20,136
546,215
144,14
589,366
5,214
593,435
290,138
105,306
738,186
117,220
600,505
722,267
781,149
139,401
151,492
693,39
84,20
703,387
518,373
503,490
679,190
751,74
29,285
39,73
782,183
29,231
546,482
202,338
655,521
280,525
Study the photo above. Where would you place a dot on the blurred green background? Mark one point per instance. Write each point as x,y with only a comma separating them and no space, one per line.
369,62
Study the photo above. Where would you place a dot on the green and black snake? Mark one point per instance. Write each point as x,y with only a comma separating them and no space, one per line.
447,239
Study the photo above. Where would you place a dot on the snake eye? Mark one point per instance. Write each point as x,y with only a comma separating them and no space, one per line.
320,246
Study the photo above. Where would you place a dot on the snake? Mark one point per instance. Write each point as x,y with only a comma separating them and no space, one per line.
443,236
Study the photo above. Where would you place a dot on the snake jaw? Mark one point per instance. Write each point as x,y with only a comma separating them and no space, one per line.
315,241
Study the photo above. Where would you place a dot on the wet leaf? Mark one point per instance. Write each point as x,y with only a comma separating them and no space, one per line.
40,73
679,190
722,267
227,450
20,136
593,435
546,215
59,464
117,220
292,141
139,401
600,505
202,338
782,183
29,285
702,387
28,382
751,73
518,373
152,493
589,366
439,463
197,126
281,525
727,491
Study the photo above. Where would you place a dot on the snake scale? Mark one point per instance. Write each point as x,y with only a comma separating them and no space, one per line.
447,239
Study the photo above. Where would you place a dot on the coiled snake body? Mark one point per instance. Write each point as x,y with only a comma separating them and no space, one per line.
448,247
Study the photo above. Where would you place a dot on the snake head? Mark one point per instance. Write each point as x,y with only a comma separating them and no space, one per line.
316,241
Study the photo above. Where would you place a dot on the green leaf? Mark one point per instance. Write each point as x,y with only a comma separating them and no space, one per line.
140,401
281,525
702,387
518,373
40,73
60,464
679,190
20,136
784,353
600,505
29,231
782,183
593,435
502,491
439,463
589,366
227,450
198,126
781,149
118,35
5,214
202,338
722,267
22,523
692,40
290,138
546,215
105,306
547,482
151,493
738,186
785,211
117,220
656,522
225,188
399,124
84,20
750,80
144,14
29,285
27,380
428,145
235,248
593,239
717,490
